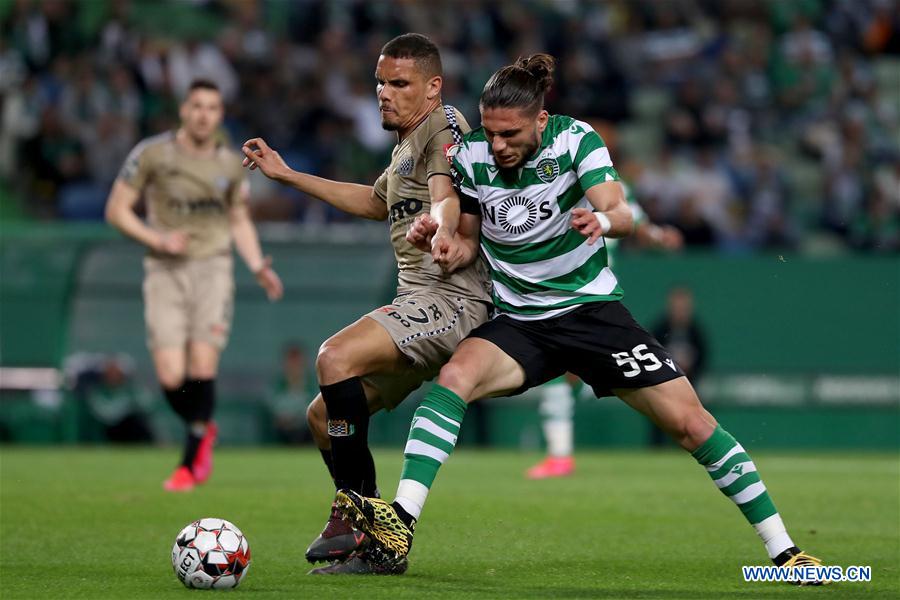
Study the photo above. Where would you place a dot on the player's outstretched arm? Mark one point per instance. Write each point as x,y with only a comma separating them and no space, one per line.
247,243
353,198
611,216
120,214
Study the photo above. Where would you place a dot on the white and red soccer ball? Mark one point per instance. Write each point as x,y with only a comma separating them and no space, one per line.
211,553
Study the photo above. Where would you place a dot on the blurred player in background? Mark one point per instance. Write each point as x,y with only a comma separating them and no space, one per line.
384,356
557,411
681,333
559,308
195,193
289,396
557,406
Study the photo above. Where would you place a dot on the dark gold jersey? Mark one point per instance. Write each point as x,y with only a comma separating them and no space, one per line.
404,187
185,192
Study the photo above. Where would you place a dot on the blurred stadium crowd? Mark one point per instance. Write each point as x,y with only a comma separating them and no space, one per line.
746,123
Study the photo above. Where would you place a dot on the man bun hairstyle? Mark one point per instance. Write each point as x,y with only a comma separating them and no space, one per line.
419,48
520,85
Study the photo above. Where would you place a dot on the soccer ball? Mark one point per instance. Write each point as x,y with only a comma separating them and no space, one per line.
211,553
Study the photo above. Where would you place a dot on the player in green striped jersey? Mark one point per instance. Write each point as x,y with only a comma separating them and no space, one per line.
548,194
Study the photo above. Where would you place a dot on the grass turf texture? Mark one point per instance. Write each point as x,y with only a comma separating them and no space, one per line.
95,523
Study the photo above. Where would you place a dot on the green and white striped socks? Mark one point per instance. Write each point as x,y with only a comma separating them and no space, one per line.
432,437
731,469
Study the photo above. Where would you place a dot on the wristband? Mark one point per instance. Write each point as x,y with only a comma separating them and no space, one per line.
605,225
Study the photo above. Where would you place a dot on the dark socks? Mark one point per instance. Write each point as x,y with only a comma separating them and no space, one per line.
202,394
179,400
348,428
326,456
191,444
194,402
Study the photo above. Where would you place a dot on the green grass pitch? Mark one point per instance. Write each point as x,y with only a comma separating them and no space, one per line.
95,523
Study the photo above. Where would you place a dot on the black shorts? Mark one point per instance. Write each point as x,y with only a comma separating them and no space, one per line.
600,342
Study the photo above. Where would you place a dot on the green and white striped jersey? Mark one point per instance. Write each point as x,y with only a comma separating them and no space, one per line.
540,266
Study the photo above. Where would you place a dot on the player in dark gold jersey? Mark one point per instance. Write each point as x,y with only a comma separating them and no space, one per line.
195,192
377,361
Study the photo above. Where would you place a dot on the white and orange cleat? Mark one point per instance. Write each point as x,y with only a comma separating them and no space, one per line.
552,466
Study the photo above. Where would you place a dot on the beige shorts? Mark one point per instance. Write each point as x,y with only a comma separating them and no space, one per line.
188,300
427,327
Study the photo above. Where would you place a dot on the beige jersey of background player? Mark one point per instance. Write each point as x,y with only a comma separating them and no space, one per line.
188,193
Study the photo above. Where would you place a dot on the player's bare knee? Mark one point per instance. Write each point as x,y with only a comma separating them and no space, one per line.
456,377
333,363
693,429
202,367
169,372
170,381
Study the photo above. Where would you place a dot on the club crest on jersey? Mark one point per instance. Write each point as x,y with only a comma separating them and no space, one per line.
450,151
222,184
405,167
547,169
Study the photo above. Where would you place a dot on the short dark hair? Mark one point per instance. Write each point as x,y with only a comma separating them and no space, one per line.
419,48
203,84
520,85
